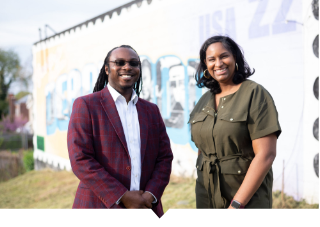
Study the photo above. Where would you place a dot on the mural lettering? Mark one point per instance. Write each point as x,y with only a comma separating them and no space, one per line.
167,82
211,24
280,24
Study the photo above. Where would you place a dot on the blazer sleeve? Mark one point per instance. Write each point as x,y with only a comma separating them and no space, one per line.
161,174
82,157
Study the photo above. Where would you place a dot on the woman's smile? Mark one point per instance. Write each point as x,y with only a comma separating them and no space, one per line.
220,71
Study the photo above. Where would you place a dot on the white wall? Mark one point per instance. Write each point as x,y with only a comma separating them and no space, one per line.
171,32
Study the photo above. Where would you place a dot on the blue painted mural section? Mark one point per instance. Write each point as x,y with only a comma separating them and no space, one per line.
168,82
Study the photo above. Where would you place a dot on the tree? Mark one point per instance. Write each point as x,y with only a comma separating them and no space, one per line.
10,71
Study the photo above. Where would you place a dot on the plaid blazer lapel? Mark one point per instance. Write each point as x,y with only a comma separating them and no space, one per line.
143,122
111,110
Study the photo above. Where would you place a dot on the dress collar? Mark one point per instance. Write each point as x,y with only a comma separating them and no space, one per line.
115,94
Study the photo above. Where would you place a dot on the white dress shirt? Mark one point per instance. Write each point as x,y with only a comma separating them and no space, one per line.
130,123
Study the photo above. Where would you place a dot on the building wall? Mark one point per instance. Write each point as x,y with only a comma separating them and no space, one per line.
21,111
168,36
311,104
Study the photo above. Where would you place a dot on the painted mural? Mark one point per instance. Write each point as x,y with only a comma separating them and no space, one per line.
167,82
280,41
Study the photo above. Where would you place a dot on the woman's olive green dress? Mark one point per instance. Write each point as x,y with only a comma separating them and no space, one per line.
224,138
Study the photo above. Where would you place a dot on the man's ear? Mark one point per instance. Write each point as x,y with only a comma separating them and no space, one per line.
106,69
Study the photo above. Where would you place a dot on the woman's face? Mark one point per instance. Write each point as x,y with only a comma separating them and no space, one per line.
220,63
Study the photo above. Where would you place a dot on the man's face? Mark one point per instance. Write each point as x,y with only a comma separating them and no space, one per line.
122,78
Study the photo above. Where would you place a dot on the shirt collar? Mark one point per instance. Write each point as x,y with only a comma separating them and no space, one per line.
115,94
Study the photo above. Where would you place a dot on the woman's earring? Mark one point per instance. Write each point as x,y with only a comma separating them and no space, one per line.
204,74
237,66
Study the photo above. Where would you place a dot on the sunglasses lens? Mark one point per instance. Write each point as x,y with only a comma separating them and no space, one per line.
123,62
134,63
120,62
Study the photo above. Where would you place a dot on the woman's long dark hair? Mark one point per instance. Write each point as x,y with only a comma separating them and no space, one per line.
102,80
240,75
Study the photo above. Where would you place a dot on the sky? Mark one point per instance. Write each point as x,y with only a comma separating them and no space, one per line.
20,20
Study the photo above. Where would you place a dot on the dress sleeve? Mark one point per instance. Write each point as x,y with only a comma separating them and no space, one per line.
263,115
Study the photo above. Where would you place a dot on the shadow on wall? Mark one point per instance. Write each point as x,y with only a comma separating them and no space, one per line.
168,83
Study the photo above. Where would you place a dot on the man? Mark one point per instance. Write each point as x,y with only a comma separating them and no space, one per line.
117,142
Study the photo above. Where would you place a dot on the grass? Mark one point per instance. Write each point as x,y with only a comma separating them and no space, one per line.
39,189
290,203
49,189
179,194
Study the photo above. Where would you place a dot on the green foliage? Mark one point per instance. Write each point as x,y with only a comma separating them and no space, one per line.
4,106
12,144
9,72
289,202
21,94
28,161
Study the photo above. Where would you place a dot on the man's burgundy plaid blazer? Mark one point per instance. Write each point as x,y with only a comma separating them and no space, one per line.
99,155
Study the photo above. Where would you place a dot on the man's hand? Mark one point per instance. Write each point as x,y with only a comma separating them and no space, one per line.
134,199
148,197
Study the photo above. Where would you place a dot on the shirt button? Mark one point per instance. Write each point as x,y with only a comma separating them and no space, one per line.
203,109
193,121
215,114
129,125
224,98
231,119
128,168
208,111
221,106
239,171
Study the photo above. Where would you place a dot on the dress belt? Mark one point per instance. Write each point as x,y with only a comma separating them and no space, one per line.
212,182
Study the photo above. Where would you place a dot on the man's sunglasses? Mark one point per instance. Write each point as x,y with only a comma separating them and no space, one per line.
132,63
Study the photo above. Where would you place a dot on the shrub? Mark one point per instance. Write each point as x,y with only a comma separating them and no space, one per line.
289,202
28,161
11,142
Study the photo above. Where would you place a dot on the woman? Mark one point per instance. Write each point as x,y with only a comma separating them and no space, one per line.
235,127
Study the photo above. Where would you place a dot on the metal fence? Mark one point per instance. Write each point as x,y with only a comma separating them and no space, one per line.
16,141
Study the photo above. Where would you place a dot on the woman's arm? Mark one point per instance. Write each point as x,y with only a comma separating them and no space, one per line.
265,152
